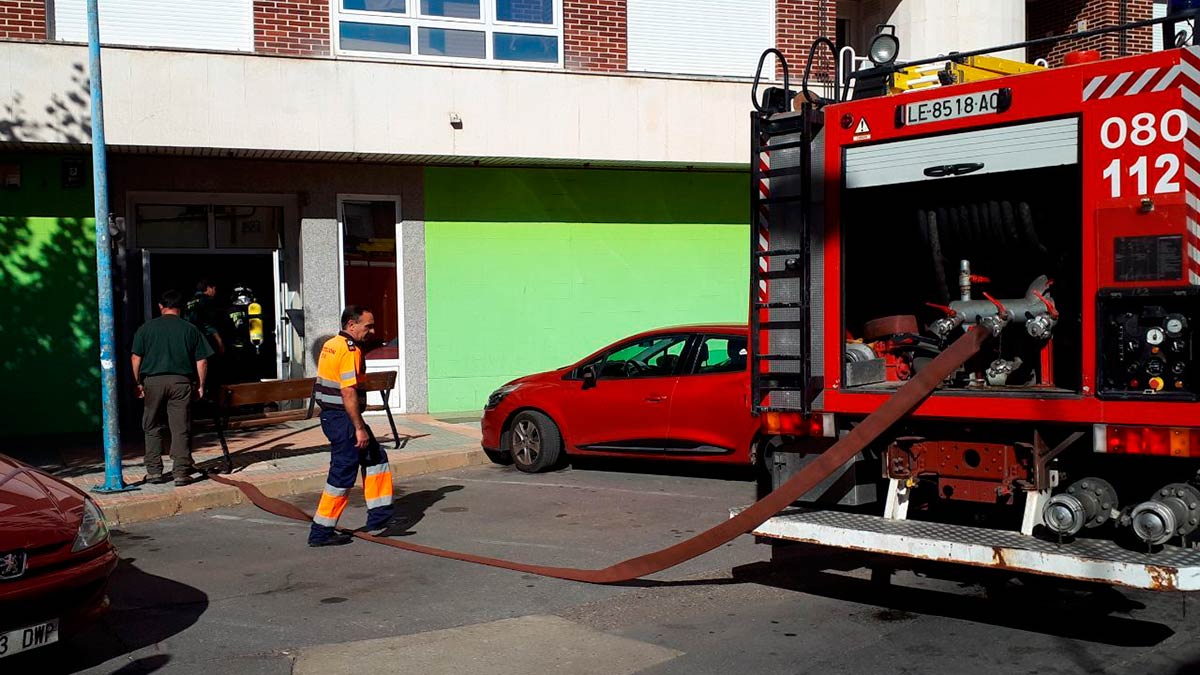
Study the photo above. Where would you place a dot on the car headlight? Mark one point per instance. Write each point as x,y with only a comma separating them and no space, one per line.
93,530
498,395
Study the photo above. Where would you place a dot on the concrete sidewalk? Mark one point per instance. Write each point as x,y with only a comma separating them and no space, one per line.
283,459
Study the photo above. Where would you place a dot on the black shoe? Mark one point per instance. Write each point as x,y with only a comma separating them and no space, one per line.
181,481
335,539
156,480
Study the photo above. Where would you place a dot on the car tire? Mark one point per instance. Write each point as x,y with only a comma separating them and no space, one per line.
534,442
498,457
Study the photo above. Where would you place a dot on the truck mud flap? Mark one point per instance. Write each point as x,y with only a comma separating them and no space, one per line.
900,404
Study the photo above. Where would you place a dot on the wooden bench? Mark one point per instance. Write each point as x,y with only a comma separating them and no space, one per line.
235,396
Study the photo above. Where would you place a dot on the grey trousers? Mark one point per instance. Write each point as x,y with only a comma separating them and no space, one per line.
168,406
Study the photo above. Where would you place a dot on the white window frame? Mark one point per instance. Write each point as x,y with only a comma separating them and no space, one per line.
399,402
487,24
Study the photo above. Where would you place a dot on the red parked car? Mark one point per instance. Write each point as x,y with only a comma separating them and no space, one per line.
672,393
55,559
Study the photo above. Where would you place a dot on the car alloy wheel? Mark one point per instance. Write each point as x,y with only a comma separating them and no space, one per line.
526,442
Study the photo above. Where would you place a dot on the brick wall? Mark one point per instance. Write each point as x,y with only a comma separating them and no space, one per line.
797,24
1060,17
23,19
298,27
594,35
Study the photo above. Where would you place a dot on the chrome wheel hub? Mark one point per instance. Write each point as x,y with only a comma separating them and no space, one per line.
526,442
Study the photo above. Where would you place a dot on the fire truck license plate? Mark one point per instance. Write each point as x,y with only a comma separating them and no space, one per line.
953,107
22,639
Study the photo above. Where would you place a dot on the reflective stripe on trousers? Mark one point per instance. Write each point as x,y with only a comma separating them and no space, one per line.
333,502
377,485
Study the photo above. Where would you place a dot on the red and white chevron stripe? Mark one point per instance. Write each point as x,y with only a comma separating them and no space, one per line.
1189,85
764,224
1130,83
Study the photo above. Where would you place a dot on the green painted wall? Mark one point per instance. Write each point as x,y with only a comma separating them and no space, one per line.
532,269
48,319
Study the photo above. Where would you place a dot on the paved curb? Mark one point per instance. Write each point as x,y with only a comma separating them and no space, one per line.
190,500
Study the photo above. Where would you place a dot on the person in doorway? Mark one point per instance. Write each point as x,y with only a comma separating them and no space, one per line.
352,446
170,367
203,313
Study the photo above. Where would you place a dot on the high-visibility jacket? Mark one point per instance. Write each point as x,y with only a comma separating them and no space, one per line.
341,366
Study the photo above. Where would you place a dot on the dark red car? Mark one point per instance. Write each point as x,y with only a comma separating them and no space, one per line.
55,559
673,393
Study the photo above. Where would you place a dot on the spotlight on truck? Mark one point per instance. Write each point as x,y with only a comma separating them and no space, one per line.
885,46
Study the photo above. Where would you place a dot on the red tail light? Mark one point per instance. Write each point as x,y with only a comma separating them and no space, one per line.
793,424
1163,441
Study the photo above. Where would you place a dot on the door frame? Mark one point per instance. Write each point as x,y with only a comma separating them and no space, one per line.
400,395
280,290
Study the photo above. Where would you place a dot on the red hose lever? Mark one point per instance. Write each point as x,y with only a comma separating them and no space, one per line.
1049,305
980,279
999,305
948,310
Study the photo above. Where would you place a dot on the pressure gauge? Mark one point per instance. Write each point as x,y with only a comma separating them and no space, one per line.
1156,366
1174,325
1154,336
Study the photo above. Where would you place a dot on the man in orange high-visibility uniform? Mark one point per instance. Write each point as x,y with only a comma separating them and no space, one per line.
340,373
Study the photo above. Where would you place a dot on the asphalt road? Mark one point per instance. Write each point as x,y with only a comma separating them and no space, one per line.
237,591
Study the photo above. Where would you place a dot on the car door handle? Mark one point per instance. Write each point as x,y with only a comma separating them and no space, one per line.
656,399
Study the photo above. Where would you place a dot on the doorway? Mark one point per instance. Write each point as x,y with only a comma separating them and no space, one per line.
232,241
255,271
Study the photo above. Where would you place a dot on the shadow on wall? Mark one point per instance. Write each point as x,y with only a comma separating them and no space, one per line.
67,116
315,349
47,335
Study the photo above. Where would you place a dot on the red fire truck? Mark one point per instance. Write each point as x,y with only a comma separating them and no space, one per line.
1058,208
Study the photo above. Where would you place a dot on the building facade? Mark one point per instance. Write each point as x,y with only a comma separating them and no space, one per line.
510,184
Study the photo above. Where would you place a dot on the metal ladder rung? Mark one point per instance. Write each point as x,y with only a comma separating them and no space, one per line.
782,324
778,305
778,357
782,171
784,199
770,253
782,274
781,146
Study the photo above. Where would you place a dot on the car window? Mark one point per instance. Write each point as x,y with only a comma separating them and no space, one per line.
721,354
655,356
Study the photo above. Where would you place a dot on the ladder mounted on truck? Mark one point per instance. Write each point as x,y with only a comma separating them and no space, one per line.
781,204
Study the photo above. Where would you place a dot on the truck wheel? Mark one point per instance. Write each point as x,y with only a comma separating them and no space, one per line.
534,442
498,457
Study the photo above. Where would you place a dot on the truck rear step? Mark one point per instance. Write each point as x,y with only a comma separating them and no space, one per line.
1170,569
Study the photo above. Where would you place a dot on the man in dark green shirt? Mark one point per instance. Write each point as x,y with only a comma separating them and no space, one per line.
170,367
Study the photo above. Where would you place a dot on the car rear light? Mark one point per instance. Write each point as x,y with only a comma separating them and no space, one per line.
797,424
1162,441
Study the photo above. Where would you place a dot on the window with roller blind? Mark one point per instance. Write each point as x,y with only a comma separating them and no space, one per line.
699,37
217,25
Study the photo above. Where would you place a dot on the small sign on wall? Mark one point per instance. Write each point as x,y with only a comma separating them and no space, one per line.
72,173
10,176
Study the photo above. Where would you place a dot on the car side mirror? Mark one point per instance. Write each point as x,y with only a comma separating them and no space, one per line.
589,376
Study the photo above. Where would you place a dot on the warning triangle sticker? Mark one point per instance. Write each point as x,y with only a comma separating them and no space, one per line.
863,127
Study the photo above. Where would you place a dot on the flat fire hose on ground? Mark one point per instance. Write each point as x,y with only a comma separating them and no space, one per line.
904,401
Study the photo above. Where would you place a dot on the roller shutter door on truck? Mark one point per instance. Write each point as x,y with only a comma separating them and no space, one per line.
1012,148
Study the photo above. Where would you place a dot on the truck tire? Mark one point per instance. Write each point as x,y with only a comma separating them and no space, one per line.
534,442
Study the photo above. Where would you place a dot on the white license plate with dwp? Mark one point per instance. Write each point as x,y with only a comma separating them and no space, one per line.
31,637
